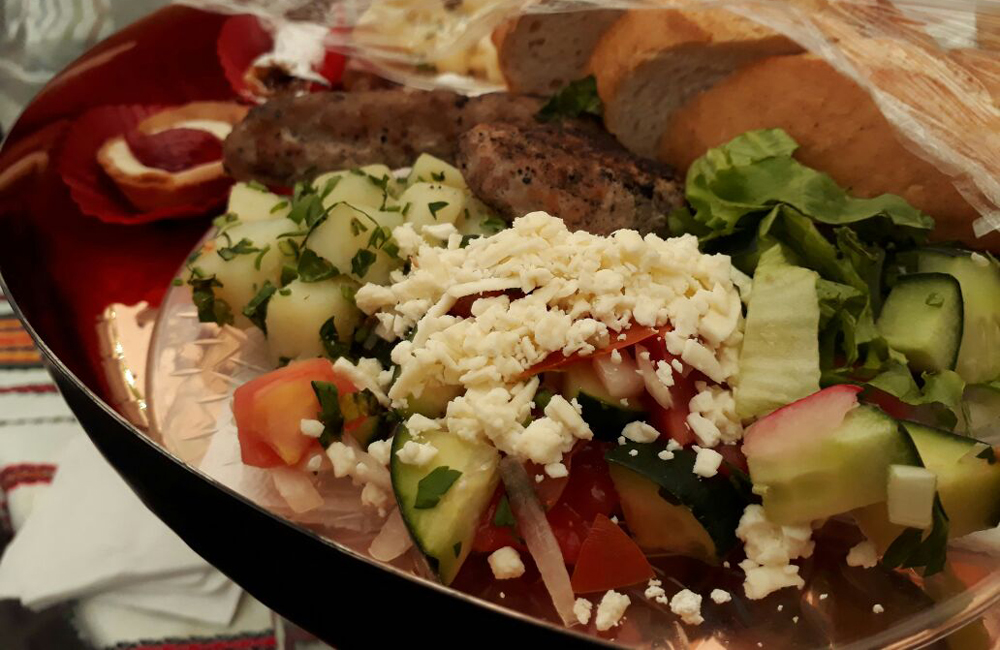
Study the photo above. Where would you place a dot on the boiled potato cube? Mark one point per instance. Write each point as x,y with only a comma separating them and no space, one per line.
361,188
297,312
429,169
478,219
348,230
250,203
244,273
432,203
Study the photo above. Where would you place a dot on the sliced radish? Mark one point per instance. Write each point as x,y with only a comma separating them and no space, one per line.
621,379
393,540
656,388
296,488
811,417
538,536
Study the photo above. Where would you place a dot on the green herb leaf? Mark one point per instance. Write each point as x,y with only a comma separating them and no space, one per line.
912,550
934,299
435,206
242,247
256,185
542,398
348,292
279,206
329,412
289,274
332,344
493,225
466,239
406,208
437,176
357,227
359,404
177,282
379,237
313,268
210,308
225,221
329,186
577,98
256,309
504,517
362,261
435,485
260,257
285,292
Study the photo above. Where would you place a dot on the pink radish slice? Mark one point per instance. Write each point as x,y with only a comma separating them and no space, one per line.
296,488
804,421
393,540
538,536
655,387
621,380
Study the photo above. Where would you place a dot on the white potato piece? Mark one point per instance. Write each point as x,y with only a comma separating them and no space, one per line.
296,314
478,219
347,230
361,188
429,169
250,203
242,275
432,203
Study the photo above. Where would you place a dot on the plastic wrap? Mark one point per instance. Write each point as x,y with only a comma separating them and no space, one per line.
931,66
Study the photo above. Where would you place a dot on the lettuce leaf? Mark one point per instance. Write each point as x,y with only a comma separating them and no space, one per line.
755,171
942,390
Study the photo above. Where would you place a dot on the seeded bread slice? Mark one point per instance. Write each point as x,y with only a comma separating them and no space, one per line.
650,62
541,53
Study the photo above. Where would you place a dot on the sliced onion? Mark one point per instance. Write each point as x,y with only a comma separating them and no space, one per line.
538,536
393,540
655,387
296,488
377,473
620,379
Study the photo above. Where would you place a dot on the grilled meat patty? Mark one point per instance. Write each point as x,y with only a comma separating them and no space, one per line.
581,175
290,139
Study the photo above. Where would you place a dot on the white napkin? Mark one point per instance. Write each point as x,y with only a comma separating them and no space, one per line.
89,534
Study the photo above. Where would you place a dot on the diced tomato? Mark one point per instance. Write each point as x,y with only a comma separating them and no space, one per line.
490,537
608,559
732,454
672,422
569,528
269,411
557,360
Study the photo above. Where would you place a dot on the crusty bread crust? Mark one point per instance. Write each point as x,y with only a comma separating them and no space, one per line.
156,188
840,131
540,53
651,61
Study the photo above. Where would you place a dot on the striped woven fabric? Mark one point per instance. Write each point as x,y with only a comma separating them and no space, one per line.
16,348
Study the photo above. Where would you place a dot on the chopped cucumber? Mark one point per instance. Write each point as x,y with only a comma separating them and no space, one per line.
779,361
659,526
844,470
254,203
911,491
433,401
606,415
979,276
922,318
715,503
444,530
968,484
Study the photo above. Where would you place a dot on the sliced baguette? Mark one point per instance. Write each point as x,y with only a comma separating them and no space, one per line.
541,53
650,62
839,128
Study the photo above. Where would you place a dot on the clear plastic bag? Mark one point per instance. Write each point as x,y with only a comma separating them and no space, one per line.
927,64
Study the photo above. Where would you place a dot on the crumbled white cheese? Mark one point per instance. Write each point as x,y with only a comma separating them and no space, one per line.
654,590
713,415
582,608
633,452
381,450
781,607
640,432
506,563
720,596
824,596
863,554
417,424
769,549
616,357
439,231
556,470
687,605
374,496
311,428
539,478
664,373
416,453
366,374
673,445
611,609
622,440
795,619
878,609
979,259
343,459
314,463
707,463
665,454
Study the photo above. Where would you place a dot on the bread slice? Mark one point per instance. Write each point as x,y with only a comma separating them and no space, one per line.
650,62
541,53
839,128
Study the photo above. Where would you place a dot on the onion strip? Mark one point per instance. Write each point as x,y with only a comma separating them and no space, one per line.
538,536
656,388
393,540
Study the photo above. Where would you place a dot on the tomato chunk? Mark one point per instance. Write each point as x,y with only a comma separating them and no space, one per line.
557,359
269,411
608,559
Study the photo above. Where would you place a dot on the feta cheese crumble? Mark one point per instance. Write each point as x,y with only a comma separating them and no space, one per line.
556,470
687,605
311,428
381,450
582,608
707,463
640,432
863,555
720,596
654,590
770,549
877,609
506,563
416,453
713,416
611,609
665,454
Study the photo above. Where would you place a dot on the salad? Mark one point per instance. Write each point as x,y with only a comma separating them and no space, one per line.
576,405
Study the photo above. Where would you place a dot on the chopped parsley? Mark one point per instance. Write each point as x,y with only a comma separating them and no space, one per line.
493,225
289,273
406,208
242,247
435,485
357,227
279,206
313,268
256,309
348,292
504,517
256,185
226,220
210,308
434,206
912,550
437,176
358,404
285,292
260,256
329,412
332,344
329,186
574,100
362,261
178,282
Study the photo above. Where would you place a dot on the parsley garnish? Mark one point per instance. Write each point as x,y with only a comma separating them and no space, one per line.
911,549
210,308
332,345
578,98
347,291
503,517
289,273
434,206
288,247
358,404
242,247
493,225
379,237
178,282
256,309
256,185
285,292
362,261
279,206
329,412
406,208
357,227
435,485
437,176
542,398
226,220
331,183
466,239
260,256
313,268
